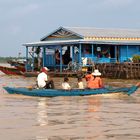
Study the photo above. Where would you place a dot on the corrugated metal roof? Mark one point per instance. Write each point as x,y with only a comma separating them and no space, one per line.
106,36
82,41
102,32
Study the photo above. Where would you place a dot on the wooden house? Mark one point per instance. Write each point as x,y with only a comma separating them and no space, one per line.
85,46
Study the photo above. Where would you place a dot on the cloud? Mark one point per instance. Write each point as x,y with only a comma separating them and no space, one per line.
29,20
116,3
15,29
27,9
17,9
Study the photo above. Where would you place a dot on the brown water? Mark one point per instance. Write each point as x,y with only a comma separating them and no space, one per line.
98,117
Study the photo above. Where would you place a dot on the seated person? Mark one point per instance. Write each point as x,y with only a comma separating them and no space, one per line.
88,76
80,83
65,84
42,79
96,82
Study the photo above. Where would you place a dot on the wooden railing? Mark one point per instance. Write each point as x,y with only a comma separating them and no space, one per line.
120,70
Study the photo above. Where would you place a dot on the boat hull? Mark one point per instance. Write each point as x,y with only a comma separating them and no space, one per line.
10,71
73,92
17,64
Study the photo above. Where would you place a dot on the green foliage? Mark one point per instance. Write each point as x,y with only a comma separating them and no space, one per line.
136,58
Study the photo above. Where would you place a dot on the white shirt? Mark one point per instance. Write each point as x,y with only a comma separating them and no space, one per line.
66,85
80,85
41,79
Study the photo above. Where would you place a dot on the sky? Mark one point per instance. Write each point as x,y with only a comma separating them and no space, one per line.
24,21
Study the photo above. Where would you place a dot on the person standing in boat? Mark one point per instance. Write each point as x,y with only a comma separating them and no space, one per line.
96,81
43,80
65,84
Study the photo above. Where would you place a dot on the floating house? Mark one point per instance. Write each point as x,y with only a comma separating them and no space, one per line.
83,46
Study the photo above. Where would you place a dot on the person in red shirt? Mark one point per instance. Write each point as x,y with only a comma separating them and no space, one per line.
95,82
88,76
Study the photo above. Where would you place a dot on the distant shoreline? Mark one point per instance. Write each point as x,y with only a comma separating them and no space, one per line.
3,61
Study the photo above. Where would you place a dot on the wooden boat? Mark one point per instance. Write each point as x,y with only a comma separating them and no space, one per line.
73,92
10,70
14,62
20,65
30,73
53,74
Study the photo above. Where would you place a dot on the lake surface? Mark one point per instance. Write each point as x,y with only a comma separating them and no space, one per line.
97,117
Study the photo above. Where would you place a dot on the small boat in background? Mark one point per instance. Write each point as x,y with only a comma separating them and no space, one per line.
18,71
72,92
10,70
53,74
30,73
19,64
14,62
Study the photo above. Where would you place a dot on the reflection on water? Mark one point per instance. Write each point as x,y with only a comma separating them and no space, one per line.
68,118
93,104
41,138
100,117
90,118
42,112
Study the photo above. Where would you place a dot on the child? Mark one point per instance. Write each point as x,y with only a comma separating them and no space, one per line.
80,83
65,84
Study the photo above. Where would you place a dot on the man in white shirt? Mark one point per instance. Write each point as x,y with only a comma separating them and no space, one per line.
42,79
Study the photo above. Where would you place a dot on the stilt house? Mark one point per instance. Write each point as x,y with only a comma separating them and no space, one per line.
82,46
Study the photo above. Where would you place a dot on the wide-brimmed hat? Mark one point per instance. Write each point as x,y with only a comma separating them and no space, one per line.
44,69
96,73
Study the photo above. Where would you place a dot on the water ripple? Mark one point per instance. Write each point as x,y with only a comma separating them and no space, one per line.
100,117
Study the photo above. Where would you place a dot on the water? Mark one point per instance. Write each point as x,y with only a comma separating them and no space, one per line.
97,117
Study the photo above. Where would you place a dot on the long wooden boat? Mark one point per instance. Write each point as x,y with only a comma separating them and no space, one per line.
52,73
73,92
14,62
10,70
20,65
30,73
